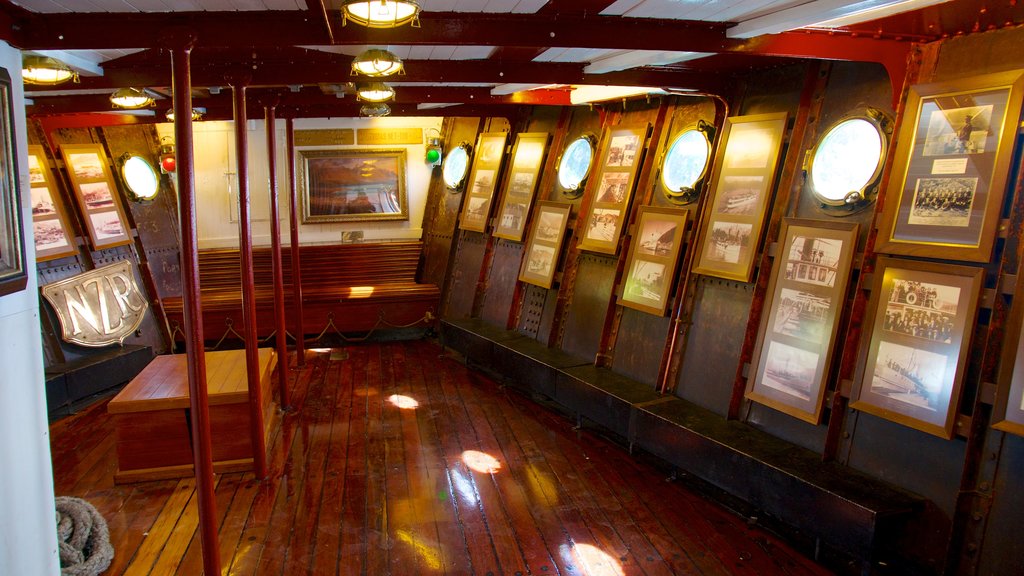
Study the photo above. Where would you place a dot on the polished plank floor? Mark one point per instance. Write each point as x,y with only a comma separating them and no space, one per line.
399,460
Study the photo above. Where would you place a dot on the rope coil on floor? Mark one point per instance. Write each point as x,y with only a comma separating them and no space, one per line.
83,538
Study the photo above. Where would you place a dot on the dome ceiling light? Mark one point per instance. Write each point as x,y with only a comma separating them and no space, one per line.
46,71
381,13
374,92
130,98
377,63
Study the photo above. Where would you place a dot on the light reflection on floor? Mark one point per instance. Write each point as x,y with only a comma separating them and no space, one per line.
481,462
404,402
595,562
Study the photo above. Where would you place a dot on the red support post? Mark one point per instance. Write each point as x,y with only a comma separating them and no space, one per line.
252,354
300,332
275,252
202,451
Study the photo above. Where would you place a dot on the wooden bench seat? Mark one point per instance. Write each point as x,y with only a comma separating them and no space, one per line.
358,287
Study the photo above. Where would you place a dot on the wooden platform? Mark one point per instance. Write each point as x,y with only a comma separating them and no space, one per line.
152,416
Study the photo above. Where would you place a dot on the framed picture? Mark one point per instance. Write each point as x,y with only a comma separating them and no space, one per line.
917,330
615,179
953,155
1009,408
13,276
483,178
743,178
806,293
352,185
545,244
527,161
51,230
97,195
653,256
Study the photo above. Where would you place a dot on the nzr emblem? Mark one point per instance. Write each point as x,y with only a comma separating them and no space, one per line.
98,307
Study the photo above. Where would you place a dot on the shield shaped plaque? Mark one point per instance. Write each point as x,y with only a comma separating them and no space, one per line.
99,307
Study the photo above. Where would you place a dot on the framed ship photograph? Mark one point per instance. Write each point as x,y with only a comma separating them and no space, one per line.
13,269
615,180
483,179
50,226
352,185
953,157
540,260
1008,414
524,173
917,332
742,187
806,294
653,257
97,195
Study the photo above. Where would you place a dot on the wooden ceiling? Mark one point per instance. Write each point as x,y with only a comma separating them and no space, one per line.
468,57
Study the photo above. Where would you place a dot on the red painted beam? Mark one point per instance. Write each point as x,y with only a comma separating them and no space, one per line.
278,266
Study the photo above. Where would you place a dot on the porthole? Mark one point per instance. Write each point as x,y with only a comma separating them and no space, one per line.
847,161
455,167
574,165
685,163
139,177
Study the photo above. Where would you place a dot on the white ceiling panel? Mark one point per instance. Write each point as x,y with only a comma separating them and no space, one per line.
706,10
573,54
472,52
626,59
414,52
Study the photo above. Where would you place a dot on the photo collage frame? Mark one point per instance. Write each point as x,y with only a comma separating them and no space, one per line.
97,195
483,180
53,234
613,188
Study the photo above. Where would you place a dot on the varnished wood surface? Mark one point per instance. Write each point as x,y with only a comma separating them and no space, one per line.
361,486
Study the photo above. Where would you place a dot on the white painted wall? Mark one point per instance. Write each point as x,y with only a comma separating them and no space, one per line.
217,186
28,531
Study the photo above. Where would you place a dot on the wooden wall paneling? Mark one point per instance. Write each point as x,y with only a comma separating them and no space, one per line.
585,315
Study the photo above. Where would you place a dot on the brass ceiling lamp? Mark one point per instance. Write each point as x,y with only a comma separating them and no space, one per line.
131,98
374,92
46,71
197,114
377,110
377,63
381,13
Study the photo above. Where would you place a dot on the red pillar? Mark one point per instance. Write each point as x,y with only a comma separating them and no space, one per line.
202,452
252,354
275,239
300,332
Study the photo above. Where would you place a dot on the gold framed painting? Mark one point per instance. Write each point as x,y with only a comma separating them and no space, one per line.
352,185
620,157
483,179
540,260
653,257
50,227
521,186
96,193
953,156
916,335
743,179
806,293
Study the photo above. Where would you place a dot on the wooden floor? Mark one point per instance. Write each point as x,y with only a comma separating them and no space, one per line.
473,480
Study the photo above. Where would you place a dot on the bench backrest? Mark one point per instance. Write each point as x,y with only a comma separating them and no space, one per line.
330,265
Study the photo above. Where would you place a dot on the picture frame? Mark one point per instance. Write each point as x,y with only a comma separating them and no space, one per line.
540,258
13,273
615,179
743,181
1008,413
353,185
50,225
807,291
482,181
653,258
916,336
953,157
528,155
97,195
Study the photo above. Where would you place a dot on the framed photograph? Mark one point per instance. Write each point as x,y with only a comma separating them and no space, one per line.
96,193
540,260
1008,414
953,155
50,226
352,185
527,160
615,178
653,256
13,275
742,189
483,178
917,332
806,293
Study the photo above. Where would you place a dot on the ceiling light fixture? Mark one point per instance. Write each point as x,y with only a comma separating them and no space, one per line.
381,13
130,98
46,71
375,110
197,114
374,92
377,63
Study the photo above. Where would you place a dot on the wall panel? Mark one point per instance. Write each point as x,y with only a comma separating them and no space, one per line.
585,317
501,282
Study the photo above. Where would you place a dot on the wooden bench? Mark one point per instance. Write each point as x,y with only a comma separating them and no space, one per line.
152,416
358,287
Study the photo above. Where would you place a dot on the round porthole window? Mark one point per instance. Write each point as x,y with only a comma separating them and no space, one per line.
574,165
847,162
140,177
684,165
455,167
